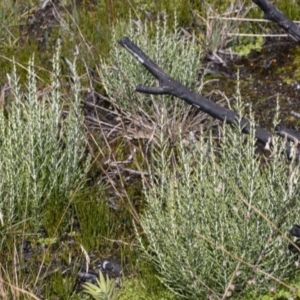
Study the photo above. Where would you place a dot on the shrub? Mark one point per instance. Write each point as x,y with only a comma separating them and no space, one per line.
41,148
217,215
121,74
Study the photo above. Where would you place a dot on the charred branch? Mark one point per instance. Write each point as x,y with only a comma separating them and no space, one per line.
170,86
287,133
274,15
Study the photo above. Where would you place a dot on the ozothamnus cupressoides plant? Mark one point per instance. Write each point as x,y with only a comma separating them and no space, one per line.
212,215
41,147
121,74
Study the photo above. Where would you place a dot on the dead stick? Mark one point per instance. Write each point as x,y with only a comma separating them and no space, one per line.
170,86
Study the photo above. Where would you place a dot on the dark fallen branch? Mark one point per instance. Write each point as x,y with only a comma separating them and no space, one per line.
169,86
289,134
274,15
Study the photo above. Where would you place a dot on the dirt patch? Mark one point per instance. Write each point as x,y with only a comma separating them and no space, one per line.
264,77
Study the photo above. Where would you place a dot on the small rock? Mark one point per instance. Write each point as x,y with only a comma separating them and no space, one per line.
111,267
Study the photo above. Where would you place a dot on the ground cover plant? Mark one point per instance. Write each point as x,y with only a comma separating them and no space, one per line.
218,217
41,156
120,74
43,159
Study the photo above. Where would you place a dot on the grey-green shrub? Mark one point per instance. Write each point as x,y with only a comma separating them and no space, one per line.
42,147
169,49
201,222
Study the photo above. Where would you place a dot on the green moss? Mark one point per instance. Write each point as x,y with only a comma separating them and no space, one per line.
290,72
246,47
277,292
145,287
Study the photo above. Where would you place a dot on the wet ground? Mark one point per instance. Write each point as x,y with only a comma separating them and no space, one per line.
273,73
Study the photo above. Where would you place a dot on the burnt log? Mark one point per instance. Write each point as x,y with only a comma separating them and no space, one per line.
287,133
275,15
170,86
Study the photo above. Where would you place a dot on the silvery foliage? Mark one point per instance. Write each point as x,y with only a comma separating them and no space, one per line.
169,49
41,147
212,214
